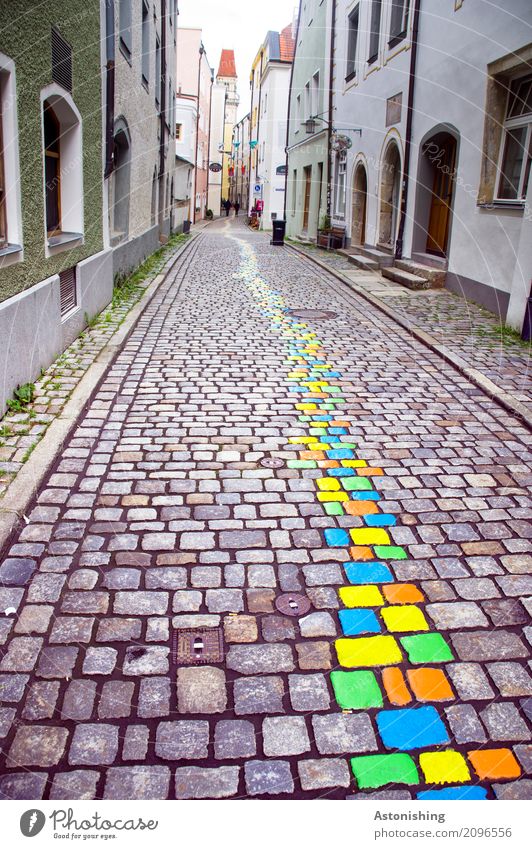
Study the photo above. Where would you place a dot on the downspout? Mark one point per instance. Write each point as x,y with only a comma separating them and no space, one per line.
163,90
250,135
408,139
289,110
209,142
109,85
331,113
201,52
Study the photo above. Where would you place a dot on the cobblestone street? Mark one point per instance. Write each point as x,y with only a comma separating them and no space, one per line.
399,507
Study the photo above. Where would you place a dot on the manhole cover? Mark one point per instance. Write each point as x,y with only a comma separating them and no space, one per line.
292,604
272,462
313,314
194,646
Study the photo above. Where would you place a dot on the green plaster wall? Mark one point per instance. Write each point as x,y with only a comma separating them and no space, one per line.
25,35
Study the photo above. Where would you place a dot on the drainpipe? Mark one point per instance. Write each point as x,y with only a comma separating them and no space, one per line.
109,85
162,121
250,135
408,139
288,121
331,113
201,52
209,141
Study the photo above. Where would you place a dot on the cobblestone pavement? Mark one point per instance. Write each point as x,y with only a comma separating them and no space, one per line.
398,506
467,329
21,430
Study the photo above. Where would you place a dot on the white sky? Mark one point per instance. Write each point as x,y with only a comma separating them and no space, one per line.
240,25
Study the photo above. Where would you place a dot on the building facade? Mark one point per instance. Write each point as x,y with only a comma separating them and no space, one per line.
227,77
53,266
438,180
140,38
195,80
216,148
239,182
308,153
185,154
270,79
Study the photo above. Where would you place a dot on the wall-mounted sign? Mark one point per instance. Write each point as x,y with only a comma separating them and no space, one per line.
215,167
257,188
393,109
281,170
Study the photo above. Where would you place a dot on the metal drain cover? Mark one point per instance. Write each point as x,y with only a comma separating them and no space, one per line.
194,646
313,314
292,604
272,462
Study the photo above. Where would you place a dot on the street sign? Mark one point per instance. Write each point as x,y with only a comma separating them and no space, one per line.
215,167
258,188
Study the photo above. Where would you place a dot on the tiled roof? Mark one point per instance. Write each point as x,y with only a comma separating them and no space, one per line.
227,64
287,44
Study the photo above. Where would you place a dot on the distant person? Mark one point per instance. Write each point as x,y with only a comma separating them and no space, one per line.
237,208
227,208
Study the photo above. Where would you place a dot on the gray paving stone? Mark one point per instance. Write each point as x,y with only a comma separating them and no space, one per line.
343,733
99,660
322,773
524,756
94,744
277,628
285,735
250,660
135,743
41,700
314,655
115,701
57,662
137,782
511,679
488,645
72,629
146,660
224,601
37,745
17,571
23,785
456,615
470,681
268,778
201,689
309,692
193,782
514,790
78,784
166,578
12,687
240,629
317,625
184,739
234,738
324,598
322,575
141,603
21,654
258,694
111,630
504,722
465,724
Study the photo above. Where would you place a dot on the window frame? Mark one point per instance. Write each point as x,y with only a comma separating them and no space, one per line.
56,155
351,61
4,229
125,27
145,44
158,70
315,93
340,170
396,35
518,122
374,34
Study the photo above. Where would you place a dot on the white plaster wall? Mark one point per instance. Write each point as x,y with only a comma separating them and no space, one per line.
272,131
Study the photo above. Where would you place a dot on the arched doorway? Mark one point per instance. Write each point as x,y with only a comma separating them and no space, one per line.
359,207
120,184
390,195
440,155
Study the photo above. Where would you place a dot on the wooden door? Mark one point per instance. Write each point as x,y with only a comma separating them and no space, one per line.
442,196
306,206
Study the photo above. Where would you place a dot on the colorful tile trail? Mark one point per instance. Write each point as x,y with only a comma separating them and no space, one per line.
387,639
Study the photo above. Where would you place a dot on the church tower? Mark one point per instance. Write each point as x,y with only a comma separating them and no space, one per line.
227,77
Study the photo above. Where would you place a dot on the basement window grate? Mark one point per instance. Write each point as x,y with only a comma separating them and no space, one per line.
61,61
67,290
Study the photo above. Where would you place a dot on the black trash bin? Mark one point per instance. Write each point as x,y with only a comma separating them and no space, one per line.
186,226
279,227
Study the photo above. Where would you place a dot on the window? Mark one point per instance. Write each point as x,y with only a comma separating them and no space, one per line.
398,21
375,30
120,184
294,190
352,38
157,70
52,171
516,156
341,167
316,93
125,27
3,205
145,44
308,104
298,112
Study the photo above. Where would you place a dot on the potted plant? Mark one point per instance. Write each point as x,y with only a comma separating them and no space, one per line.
324,232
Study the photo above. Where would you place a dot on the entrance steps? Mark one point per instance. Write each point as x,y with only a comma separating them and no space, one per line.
367,258
415,275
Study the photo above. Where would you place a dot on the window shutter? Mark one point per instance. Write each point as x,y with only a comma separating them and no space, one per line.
67,290
61,61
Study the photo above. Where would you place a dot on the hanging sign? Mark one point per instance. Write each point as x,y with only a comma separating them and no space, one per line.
215,167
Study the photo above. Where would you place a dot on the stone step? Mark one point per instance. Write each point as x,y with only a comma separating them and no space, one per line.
363,262
383,259
405,278
435,276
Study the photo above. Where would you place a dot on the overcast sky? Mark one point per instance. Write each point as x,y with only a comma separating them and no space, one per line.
237,24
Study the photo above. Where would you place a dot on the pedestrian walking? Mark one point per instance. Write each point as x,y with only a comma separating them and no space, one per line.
237,208
227,208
